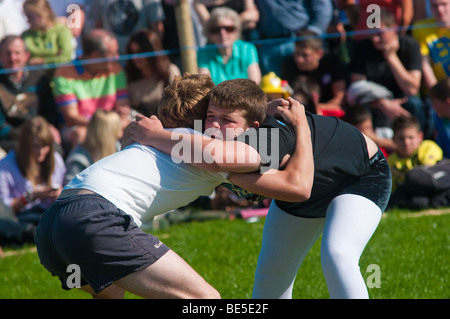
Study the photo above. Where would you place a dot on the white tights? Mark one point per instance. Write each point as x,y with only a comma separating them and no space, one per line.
351,220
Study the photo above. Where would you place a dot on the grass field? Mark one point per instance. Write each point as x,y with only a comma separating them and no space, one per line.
411,250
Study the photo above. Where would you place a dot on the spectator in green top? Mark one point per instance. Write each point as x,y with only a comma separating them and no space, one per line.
47,40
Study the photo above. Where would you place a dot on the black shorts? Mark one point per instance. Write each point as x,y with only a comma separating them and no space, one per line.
103,241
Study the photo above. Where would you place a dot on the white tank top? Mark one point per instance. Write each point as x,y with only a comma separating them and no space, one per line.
144,182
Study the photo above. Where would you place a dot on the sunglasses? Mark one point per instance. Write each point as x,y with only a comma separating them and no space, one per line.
218,29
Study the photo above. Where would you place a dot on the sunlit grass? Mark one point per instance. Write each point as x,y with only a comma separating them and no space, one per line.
412,254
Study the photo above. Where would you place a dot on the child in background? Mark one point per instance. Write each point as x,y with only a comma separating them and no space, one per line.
31,175
303,91
440,100
48,40
360,117
412,149
325,70
103,135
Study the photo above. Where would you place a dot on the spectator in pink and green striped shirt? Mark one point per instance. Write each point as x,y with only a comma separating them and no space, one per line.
81,89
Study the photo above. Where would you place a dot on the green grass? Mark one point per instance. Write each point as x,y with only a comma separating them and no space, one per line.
412,253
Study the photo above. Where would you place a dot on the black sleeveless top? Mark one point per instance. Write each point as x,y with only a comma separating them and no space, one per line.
340,158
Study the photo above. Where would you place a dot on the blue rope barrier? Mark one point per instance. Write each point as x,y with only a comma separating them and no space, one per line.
258,42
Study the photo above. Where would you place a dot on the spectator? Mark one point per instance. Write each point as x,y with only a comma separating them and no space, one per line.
147,76
412,153
303,92
224,199
247,10
433,34
123,18
103,133
31,176
359,12
394,61
325,70
280,20
412,149
231,57
337,40
82,89
360,117
12,232
47,40
440,100
23,93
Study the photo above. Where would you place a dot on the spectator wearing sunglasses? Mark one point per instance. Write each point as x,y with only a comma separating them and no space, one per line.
226,56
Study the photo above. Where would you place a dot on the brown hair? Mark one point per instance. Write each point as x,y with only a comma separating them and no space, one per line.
185,100
36,6
441,90
148,41
94,41
35,127
10,38
308,39
387,17
357,114
404,122
244,95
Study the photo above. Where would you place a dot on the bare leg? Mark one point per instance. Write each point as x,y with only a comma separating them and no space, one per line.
111,292
169,277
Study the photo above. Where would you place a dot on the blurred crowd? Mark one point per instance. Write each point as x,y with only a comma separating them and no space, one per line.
73,73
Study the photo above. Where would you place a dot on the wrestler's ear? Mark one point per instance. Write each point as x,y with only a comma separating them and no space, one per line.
255,124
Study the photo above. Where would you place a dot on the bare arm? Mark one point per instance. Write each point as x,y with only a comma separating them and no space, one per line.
294,183
250,16
408,81
391,108
195,149
254,72
407,13
202,11
123,108
338,90
429,78
72,116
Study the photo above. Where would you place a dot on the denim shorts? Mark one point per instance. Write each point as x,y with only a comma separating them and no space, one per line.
103,241
375,186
